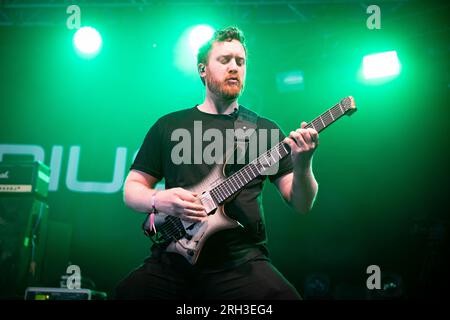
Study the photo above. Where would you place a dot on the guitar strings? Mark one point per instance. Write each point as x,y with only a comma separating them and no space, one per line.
174,224
170,225
248,169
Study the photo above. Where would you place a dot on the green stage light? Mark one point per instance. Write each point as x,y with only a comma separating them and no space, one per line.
87,41
198,36
188,45
381,65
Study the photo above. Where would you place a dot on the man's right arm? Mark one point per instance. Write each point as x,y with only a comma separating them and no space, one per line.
138,191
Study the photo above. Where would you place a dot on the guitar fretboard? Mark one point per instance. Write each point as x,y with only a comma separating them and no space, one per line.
258,166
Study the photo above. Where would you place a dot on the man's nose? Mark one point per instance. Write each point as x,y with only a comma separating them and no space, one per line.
232,66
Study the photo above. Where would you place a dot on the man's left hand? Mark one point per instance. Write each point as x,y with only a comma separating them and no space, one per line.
303,142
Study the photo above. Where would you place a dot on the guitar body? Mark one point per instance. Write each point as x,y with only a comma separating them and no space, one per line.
188,238
190,249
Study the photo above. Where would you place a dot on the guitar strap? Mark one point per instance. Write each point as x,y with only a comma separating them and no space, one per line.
244,128
246,120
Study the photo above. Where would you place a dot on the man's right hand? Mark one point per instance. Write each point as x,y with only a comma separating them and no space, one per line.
181,203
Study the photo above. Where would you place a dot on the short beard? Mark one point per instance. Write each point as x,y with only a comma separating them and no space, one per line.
222,90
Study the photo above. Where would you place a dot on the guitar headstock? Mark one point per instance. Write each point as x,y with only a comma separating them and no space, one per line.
348,104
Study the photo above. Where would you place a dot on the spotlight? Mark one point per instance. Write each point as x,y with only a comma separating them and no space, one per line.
290,81
391,288
198,36
87,41
317,287
381,65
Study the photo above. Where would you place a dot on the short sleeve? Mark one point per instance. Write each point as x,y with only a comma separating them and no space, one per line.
149,157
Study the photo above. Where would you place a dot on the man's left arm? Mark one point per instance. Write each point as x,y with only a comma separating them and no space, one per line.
299,188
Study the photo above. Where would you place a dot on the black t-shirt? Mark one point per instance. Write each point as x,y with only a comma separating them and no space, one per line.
161,156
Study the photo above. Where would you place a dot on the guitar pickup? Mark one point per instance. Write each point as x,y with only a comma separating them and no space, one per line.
208,202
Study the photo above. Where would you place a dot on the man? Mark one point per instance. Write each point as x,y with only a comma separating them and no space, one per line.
234,263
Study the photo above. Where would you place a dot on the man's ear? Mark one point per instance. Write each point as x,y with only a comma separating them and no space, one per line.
201,68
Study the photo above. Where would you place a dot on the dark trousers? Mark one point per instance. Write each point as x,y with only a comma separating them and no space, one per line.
171,277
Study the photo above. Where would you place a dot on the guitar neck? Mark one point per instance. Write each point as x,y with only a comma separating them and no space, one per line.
327,118
255,168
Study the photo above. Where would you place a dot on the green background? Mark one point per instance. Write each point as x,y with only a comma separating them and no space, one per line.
382,172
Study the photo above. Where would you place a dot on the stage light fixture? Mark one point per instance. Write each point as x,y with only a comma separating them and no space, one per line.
198,36
290,81
87,41
380,65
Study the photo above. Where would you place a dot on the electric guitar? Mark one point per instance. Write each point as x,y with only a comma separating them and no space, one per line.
188,238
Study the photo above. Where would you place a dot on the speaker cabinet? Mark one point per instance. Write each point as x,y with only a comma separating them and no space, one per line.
23,234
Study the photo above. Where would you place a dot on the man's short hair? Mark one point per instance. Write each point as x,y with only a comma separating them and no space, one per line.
227,34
